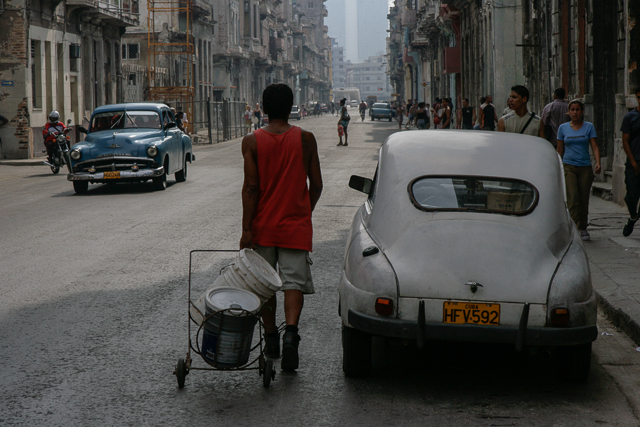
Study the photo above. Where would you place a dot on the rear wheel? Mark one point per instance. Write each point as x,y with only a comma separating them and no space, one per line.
575,362
356,352
80,187
389,118
181,175
55,169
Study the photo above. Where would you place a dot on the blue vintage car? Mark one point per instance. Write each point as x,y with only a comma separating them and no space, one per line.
381,110
130,143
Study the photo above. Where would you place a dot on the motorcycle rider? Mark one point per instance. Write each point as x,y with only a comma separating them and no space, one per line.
363,108
51,129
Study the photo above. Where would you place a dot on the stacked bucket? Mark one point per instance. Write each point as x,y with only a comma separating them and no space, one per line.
252,273
241,289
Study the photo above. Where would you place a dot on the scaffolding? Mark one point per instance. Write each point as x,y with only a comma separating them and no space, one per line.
171,50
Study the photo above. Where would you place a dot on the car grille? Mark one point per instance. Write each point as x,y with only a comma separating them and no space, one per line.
116,162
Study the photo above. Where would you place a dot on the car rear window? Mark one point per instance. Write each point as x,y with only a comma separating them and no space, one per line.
125,120
472,193
380,105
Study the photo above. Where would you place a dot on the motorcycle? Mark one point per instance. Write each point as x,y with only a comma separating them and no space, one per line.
60,150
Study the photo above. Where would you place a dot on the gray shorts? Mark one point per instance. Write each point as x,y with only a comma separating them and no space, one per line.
293,265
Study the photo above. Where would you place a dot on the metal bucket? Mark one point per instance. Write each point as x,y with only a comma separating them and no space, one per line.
227,335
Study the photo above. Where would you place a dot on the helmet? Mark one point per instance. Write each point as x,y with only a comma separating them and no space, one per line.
54,116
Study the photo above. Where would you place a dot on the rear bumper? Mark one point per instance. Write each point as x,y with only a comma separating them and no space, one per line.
124,175
522,335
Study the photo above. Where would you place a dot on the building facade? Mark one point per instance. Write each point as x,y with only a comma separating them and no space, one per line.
370,77
57,55
471,48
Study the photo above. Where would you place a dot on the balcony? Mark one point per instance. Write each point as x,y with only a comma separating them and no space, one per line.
266,10
408,18
113,12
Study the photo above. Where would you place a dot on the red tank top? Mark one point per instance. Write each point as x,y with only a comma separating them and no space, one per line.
284,209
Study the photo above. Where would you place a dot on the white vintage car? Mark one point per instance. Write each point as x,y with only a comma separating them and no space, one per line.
465,236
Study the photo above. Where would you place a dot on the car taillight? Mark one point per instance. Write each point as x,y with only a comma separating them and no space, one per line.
384,306
560,316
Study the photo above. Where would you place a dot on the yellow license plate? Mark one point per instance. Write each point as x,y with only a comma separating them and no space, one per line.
470,312
112,175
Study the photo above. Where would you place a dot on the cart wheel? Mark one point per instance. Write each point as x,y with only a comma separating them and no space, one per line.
269,373
181,372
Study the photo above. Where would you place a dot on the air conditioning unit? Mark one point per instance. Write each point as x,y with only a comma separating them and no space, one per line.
74,51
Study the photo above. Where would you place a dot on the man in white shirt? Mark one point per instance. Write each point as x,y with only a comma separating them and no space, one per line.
520,120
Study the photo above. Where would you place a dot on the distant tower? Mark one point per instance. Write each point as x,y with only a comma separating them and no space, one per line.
343,26
372,27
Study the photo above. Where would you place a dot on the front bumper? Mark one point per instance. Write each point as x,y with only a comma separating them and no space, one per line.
128,175
520,336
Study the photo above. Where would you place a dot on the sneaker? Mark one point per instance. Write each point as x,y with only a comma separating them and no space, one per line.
628,227
584,234
290,342
272,345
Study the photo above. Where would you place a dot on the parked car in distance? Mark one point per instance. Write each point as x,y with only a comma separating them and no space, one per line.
295,113
354,103
460,241
133,142
324,108
381,110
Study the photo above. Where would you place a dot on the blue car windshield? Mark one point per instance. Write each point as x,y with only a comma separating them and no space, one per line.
471,193
120,119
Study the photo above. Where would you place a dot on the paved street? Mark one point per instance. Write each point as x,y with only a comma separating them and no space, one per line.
93,293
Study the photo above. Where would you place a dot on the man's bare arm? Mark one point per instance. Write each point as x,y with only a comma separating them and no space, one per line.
250,189
541,132
627,149
501,125
313,167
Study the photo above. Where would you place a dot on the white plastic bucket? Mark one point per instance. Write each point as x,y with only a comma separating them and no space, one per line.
226,339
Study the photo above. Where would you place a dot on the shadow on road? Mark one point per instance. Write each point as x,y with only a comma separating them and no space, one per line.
111,189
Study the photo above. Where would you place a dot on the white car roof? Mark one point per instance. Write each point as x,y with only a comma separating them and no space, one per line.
405,156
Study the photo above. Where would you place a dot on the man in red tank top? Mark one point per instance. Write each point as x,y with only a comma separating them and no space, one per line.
276,212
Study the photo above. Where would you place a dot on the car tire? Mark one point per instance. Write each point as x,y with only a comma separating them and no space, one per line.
81,187
372,119
356,352
160,183
575,362
181,175
389,118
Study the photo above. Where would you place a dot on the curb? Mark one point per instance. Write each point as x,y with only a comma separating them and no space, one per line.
620,318
23,162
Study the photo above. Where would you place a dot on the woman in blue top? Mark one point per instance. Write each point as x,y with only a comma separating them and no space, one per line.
574,139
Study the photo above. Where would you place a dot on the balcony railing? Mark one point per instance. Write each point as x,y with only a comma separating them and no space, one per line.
121,14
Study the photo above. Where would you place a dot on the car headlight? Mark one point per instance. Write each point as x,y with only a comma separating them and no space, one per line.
152,151
75,154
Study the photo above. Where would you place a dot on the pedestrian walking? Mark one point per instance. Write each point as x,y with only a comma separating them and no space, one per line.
412,113
573,142
466,115
344,122
520,119
422,116
488,116
248,115
399,114
185,119
446,116
553,115
277,205
477,121
257,117
631,144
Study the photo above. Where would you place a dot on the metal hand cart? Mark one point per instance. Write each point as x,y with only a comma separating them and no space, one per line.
259,361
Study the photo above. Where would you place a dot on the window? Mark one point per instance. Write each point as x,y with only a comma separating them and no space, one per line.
36,74
473,194
132,79
130,51
125,120
310,5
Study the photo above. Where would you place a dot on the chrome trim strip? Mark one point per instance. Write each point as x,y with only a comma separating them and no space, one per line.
99,176
111,157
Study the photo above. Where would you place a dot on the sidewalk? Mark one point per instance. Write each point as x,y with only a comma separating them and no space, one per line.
615,265
24,162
